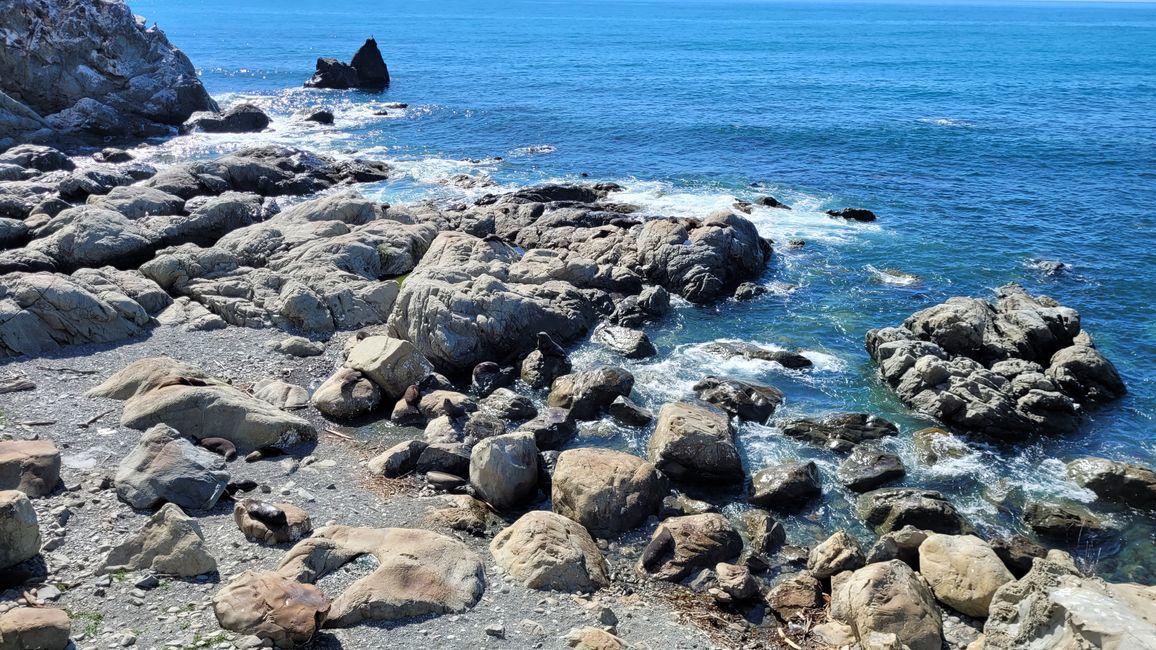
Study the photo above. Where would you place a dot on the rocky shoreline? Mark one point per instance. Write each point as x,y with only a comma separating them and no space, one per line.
246,406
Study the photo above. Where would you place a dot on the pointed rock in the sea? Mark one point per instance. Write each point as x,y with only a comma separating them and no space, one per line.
853,214
367,70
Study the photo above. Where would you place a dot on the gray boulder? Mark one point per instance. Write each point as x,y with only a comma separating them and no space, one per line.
1018,365
786,487
588,394
504,469
19,529
92,68
238,118
548,551
682,544
167,467
887,598
347,395
866,469
747,400
170,543
608,492
630,343
460,307
31,466
694,442
889,509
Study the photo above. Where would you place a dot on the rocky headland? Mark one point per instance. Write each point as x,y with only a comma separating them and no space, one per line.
245,406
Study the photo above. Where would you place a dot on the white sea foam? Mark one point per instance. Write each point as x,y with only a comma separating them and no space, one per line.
948,121
893,276
532,150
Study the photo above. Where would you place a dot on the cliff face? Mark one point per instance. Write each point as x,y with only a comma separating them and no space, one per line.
89,67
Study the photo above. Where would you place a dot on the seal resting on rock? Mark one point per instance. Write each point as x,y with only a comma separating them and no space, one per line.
219,446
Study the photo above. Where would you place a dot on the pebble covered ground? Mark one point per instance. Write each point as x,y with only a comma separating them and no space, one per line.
84,519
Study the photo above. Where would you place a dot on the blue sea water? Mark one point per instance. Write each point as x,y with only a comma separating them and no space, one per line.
987,137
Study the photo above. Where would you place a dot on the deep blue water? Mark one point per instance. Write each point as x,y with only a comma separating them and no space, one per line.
986,137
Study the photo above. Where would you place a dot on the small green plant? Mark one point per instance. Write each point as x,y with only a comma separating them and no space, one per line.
91,621
119,575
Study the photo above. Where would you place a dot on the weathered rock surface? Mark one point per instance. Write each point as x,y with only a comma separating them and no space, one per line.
694,442
588,394
838,553
1125,483
889,509
281,394
419,572
19,529
866,469
238,118
796,593
1005,369
392,364
504,469
786,487
347,395
461,306
963,572
888,598
91,68
42,312
276,609
1063,522
682,544
545,363
1054,607
839,432
608,492
747,400
166,467
35,628
171,543
630,343
31,466
399,459
544,550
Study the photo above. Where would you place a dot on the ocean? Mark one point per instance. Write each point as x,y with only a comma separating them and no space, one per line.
991,139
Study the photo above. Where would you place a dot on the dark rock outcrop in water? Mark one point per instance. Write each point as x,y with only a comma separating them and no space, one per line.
367,71
1005,369
90,68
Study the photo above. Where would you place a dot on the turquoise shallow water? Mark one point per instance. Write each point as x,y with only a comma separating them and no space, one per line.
987,137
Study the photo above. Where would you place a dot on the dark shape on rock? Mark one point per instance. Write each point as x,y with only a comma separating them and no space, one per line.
239,118
854,214
771,202
625,412
548,347
866,469
263,453
265,512
786,487
1063,523
660,547
112,155
219,446
1017,553
889,509
748,400
489,376
367,71
749,291
247,485
839,432
449,457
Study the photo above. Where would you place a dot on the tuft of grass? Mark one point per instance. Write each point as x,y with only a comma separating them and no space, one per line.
91,620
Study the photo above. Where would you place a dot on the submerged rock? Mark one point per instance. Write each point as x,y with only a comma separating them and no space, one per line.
839,432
